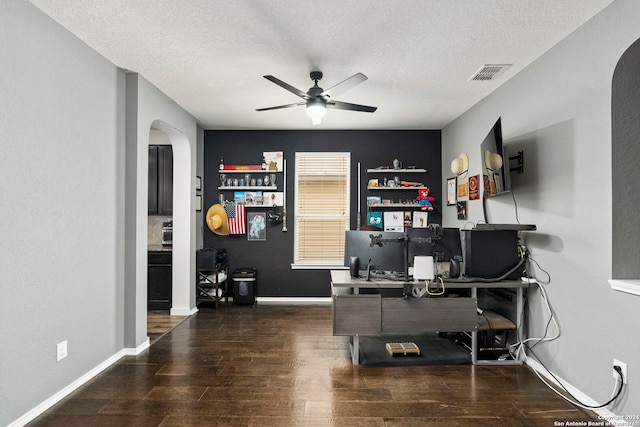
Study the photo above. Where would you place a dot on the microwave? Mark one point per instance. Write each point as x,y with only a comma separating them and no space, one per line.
167,233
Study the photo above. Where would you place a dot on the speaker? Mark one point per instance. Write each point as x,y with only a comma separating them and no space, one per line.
354,267
454,268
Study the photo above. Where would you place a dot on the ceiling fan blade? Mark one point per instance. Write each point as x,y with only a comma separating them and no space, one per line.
287,86
281,106
345,85
353,107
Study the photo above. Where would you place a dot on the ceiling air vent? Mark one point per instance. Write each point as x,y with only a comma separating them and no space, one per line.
489,72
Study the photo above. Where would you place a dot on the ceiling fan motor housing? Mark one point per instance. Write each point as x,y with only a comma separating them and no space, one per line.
316,75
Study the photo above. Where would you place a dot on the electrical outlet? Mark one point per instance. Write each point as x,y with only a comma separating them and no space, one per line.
61,350
623,368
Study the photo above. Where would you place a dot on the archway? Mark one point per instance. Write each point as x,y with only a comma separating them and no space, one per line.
625,156
182,289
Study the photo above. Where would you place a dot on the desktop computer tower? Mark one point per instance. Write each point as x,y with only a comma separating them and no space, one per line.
490,254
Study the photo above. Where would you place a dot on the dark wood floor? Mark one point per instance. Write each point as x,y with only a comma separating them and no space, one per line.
159,322
276,365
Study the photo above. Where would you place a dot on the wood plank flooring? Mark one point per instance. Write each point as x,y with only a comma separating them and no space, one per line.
279,365
159,322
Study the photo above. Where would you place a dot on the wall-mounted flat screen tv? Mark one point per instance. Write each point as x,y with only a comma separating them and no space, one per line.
495,163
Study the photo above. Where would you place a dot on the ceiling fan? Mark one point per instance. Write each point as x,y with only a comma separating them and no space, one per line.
318,100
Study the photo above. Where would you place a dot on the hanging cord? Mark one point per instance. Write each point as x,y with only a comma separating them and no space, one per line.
571,398
515,205
519,352
435,294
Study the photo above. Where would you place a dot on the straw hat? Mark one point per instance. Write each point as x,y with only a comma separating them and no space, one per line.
217,220
492,161
460,165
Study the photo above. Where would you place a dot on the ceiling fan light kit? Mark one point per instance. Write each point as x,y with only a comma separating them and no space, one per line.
316,110
317,100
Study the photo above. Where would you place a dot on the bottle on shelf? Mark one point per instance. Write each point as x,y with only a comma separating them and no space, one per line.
221,163
264,164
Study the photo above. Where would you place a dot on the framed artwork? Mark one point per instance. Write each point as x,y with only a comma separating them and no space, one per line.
198,183
462,210
375,219
273,198
420,219
274,160
463,190
474,187
408,219
393,221
452,191
198,203
257,223
374,200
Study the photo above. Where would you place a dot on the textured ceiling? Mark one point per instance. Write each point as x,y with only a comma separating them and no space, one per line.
210,55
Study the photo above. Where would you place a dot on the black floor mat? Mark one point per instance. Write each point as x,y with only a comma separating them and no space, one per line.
434,350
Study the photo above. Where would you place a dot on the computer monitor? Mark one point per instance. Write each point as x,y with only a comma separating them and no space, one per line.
387,256
444,247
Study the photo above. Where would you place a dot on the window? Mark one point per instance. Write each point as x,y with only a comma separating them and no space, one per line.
321,209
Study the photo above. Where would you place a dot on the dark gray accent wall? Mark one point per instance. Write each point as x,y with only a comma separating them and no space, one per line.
274,256
625,156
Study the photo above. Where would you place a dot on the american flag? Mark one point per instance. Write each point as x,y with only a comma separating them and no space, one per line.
236,218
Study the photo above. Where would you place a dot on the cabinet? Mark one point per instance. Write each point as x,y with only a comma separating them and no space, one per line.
159,280
160,180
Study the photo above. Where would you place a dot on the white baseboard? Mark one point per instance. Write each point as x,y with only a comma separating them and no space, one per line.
183,311
604,414
42,407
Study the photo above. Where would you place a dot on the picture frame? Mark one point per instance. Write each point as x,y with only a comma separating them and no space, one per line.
274,160
463,190
420,219
256,226
198,203
474,187
374,200
273,198
393,221
452,191
198,183
462,210
408,219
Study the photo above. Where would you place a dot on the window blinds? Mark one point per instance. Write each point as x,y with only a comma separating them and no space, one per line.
321,207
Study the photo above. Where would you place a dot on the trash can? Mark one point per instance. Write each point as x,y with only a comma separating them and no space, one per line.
245,286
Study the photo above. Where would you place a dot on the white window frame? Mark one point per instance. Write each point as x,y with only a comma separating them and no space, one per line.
301,216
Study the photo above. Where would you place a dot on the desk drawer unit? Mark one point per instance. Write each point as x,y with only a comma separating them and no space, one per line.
356,315
418,315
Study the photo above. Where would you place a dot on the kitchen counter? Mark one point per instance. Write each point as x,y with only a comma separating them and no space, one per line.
159,248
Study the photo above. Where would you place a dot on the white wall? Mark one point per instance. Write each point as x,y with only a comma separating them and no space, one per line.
154,109
74,135
61,205
558,110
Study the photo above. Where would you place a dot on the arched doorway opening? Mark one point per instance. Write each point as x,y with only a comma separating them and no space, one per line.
182,218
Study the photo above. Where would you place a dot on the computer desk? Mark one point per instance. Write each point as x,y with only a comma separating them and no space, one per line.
355,314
